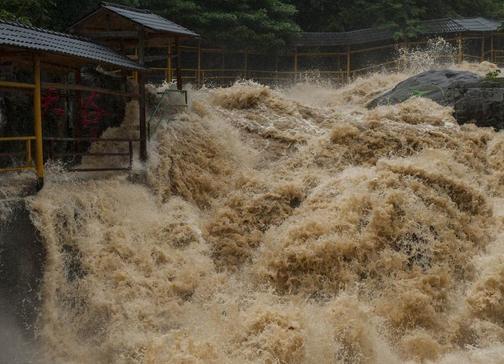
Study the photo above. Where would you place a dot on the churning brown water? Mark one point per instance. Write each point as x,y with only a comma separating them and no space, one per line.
284,226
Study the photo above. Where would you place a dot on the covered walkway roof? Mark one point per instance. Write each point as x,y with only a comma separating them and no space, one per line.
19,36
371,35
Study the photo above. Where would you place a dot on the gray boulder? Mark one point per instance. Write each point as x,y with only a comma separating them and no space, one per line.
474,99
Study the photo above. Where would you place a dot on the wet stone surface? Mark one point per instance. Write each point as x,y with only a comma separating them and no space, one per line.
474,99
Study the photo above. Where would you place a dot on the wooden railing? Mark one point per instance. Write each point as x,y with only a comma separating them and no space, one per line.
73,152
339,65
27,154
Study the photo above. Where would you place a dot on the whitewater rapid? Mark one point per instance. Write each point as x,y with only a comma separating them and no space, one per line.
283,226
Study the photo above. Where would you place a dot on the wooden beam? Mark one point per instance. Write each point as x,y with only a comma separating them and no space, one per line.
364,50
141,92
37,112
148,59
118,34
81,88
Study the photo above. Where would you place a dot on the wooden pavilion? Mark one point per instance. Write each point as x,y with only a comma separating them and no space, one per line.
124,28
40,48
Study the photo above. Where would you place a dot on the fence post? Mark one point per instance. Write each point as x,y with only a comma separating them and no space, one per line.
482,48
169,64
130,149
141,92
37,106
77,110
199,64
177,64
135,73
460,49
492,54
276,68
223,65
246,64
296,64
348,64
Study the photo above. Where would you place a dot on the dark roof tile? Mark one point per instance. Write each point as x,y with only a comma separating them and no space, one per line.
479,24
23,36
371,35
149,20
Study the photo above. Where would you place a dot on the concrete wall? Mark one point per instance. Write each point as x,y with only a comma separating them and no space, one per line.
21,264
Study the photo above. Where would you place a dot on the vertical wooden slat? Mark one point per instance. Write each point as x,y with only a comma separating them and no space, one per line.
296,64
199,64
223,64
460,49
141,93
246,64
276,67
135,73
77,111
177,64
169,64
37,112
349,64
492,52
482,49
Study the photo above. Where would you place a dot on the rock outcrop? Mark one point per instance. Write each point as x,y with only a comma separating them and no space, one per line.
474,99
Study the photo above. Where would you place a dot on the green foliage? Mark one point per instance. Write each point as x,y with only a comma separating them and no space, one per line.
64,12
34,12
233,23
493,75
266,24
401,16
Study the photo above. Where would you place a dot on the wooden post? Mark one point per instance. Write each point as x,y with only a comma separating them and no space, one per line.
492,54
296,64
199,64
135,73
460,49
169,64
177,65
276,68
483,49
349,64
77,111
246,64
223,65
37,112
141,93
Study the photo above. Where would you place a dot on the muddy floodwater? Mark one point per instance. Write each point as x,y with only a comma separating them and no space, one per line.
283,226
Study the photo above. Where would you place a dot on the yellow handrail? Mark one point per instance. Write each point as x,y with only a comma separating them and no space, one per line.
16,85
17,138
